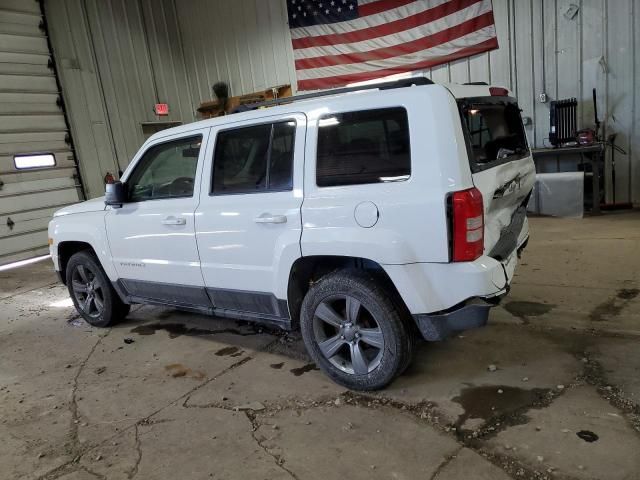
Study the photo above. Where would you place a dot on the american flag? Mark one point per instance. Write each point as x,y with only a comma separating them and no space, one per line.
336,42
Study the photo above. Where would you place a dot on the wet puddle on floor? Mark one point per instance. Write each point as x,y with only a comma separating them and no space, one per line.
178,329
587,436
487,402
523,310
233,351
304,369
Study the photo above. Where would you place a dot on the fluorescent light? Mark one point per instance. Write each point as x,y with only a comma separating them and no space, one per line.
22,263
37,160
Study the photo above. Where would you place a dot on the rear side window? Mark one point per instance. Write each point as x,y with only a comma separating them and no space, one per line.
370,146
254,159
494,132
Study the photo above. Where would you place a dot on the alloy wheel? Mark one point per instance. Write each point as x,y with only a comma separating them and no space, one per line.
88,290
348,335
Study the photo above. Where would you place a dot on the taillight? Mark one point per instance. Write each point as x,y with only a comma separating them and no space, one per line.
468,225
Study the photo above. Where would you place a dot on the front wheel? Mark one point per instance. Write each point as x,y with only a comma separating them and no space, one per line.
354,331
92,293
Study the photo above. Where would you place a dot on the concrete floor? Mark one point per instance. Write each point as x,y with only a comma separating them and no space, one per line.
193,397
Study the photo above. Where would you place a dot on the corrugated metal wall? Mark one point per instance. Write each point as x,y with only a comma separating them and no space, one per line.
124,55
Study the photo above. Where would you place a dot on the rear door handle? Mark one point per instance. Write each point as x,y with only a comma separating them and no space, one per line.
268,218
174,221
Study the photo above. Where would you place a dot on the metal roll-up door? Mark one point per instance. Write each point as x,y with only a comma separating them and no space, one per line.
34,135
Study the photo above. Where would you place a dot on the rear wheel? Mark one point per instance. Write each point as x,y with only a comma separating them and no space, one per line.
92,293
354,331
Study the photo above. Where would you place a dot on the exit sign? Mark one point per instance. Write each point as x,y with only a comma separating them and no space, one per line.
161,109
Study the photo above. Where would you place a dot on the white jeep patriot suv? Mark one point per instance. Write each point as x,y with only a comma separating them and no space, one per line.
365,216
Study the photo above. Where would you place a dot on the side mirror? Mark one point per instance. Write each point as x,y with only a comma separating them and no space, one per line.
115,194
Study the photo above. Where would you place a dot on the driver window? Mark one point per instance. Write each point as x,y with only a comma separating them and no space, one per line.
167,170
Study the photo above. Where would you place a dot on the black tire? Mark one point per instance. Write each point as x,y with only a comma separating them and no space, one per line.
92,293
341,343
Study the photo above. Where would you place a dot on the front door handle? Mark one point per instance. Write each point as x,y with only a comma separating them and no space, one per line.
268,218
174,221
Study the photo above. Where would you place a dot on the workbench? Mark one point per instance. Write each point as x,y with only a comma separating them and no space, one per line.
592,154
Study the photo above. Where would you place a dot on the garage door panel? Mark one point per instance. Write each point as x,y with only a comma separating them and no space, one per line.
10,226
33,186
31,122
23,43
20,58
28,84
24,255
21,29
25,69
37,174
7,139
39,200
6,107
20,218
23,6
27,241
20,18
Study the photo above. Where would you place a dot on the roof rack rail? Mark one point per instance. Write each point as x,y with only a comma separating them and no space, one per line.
402,83
476,83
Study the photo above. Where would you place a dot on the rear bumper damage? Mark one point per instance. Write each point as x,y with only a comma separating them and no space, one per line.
473,312
468,315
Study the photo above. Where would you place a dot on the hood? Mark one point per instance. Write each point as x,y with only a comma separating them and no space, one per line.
93,205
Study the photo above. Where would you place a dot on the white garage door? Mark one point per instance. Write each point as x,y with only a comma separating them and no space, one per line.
38,171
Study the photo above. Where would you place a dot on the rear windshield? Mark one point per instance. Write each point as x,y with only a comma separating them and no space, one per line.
494,132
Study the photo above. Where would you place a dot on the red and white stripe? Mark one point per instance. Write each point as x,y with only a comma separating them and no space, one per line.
390,37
